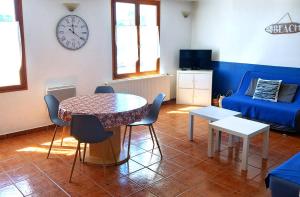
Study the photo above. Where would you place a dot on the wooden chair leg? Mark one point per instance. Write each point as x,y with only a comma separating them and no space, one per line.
84,151
151,136
78,149
129,139
55,129
124,135
112,149
156,141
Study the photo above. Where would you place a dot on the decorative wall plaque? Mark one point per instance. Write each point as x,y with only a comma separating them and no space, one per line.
284,28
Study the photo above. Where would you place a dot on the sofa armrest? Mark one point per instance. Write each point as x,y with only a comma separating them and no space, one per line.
298,121
242,80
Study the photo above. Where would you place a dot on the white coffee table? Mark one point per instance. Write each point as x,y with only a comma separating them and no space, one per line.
210,113
242,128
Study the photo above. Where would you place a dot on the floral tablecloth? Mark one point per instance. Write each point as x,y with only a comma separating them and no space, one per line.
113,110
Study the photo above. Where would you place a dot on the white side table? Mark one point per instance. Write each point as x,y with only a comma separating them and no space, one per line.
242,128
211,114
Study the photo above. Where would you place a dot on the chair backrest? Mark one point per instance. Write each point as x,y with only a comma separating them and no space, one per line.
88,129
155,107
52,104
104,89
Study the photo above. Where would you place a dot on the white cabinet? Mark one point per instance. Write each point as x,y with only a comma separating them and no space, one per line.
194,87
186,96
186,81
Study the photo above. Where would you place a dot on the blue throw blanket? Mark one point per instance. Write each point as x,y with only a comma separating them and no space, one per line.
278,113
289,171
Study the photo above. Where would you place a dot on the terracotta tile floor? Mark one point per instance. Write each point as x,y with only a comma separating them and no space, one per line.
185,169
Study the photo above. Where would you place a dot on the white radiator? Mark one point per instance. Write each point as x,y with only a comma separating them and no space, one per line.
62,92
147,87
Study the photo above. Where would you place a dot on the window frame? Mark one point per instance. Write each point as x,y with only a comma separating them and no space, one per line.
23,76
137,21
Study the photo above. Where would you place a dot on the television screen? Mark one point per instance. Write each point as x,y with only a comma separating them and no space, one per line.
195,59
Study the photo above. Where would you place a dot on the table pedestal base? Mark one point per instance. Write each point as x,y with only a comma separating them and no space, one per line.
101,153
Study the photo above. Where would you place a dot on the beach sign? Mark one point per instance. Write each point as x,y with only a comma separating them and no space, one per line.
283,28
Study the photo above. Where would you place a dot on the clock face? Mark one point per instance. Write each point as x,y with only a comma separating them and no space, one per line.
72,32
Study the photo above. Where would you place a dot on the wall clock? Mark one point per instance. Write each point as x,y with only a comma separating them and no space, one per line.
72,32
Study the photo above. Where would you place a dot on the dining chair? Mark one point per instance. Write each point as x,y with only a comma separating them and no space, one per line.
148,120
52,105
104,89
88,129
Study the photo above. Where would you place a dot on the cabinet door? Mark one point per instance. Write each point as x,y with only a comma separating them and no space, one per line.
203,81
202,97
185,96
185,80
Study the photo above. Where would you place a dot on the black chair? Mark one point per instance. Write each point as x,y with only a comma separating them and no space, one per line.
88,129
104,89
52,105
148,120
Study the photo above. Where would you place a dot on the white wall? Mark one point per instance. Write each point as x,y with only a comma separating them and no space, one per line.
49,64
235,30
175,33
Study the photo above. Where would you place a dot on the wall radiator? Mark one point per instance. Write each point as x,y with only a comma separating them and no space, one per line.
62,92
147,87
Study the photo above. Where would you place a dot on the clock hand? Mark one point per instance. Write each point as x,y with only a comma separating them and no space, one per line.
72,27
76,35
71,31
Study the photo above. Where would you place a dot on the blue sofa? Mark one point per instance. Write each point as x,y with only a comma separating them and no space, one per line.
284,180
282,116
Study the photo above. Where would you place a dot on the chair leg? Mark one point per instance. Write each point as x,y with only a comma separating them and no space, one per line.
84,151
55,129
156,141
62,136
80,153
151,136
124,135
112,149
129,139
78,149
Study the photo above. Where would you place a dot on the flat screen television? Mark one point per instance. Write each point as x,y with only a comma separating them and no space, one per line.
194,59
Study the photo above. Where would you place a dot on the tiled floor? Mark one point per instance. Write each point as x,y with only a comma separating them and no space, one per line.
185,169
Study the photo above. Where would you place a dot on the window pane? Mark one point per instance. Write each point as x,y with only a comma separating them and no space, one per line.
149,38
7,11
10,47
126,38
148,15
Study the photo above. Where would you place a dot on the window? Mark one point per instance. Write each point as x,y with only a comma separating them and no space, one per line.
136,48
12,50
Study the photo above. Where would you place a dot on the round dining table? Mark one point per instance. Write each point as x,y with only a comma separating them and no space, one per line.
113,110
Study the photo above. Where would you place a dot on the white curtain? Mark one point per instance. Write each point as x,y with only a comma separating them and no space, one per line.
150,47
127,49
10,53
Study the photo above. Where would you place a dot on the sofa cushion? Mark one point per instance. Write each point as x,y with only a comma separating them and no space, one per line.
278,113
286,79
267,90
287,92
